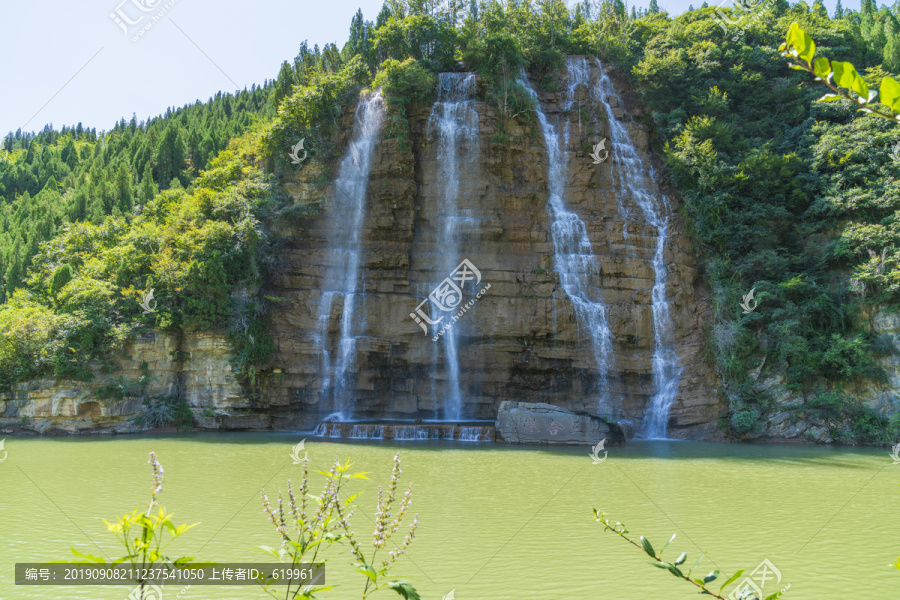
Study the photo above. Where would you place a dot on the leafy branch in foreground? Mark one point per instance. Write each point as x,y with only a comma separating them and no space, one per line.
836,75
146,548
330,523
673,567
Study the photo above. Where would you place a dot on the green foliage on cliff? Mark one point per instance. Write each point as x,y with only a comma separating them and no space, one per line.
403,84
784,195
203,254
312,111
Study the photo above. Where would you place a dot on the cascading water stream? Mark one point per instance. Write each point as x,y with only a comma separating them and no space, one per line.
574,259
635,179
453,128
342,279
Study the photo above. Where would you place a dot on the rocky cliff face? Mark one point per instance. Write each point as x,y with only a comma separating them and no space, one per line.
522,339
204,379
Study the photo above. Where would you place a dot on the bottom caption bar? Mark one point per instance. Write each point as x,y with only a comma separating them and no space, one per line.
194,574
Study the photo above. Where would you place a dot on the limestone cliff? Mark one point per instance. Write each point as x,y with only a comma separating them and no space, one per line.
522,340
197,368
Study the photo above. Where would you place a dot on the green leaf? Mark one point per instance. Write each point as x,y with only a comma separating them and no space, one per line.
647,547
369,573
675,571
830,98
680,560
730,580
821,67
890,93
773,596
663,565
801,42
404,589
696,564
845,75
711,577
671,539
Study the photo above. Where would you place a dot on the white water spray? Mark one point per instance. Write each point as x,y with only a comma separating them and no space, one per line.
348,210
635,179
453,127
574,259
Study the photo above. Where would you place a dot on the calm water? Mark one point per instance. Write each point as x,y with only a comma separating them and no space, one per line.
496,522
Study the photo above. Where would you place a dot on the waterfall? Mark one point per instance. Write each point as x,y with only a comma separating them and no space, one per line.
341,282
637,180
574,259
453,128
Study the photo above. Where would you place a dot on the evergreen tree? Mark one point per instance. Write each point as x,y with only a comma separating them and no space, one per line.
147,189
838,10
69,155
283,83
356,42
654,7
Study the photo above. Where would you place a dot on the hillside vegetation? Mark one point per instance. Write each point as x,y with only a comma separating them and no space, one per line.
795,199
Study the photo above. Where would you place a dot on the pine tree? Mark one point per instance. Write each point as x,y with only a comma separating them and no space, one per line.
838,10
69,155
124,193
147,189
356,43
654,7
283,83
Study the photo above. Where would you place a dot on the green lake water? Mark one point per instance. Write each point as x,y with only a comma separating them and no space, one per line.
496,521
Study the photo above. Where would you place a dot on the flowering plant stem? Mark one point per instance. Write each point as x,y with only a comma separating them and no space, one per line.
331,524
146,548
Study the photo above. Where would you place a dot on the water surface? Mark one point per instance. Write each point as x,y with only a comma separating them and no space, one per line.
496,521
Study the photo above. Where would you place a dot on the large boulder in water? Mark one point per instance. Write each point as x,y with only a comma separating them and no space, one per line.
542,423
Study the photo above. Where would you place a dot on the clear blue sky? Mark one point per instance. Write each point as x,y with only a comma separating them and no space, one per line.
67,62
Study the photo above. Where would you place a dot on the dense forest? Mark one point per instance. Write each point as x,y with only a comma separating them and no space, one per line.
793,198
